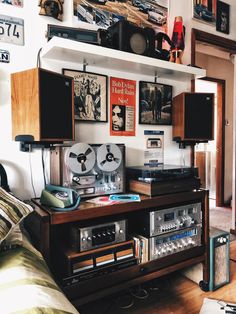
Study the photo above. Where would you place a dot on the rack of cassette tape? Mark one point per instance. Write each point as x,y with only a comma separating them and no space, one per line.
96,250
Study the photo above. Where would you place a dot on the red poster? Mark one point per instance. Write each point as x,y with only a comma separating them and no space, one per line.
122,106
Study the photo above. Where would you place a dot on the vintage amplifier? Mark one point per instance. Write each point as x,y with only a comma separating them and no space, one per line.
162,179
91,237
166,220
174,242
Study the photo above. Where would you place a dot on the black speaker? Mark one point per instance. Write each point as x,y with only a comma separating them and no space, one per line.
42,106
128,37
193,117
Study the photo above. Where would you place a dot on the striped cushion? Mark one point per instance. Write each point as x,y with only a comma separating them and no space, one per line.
12,212
27,287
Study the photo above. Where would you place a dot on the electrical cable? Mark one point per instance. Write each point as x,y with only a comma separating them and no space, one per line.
31,174
125,302
109,308
43,166
139,292
38,58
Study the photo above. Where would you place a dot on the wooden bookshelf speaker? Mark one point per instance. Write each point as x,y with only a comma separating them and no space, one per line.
42,106
193,117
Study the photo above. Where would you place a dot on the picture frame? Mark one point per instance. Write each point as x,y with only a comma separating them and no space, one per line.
155,103
90,95
222,17
205,12
102,14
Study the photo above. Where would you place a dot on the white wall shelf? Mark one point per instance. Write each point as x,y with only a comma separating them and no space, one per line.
70,51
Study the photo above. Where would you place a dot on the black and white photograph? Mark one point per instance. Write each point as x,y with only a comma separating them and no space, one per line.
205,11
118,117
155,103
222,17
90,95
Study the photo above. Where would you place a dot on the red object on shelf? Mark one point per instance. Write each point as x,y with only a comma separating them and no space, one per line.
177,40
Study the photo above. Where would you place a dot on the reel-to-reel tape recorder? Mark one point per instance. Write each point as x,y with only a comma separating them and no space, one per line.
89,169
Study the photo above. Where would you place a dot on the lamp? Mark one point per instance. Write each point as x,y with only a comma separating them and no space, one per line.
177,40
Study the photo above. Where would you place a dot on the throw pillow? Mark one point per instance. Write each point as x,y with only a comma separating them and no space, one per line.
12,212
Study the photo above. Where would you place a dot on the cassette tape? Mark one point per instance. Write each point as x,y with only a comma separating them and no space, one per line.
90,169
75,263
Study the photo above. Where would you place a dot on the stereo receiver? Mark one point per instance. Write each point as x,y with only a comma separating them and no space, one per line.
91,237
174,242
167,220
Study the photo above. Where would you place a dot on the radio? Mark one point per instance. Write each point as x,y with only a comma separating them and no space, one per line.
167,220
174,242
90,170
91,237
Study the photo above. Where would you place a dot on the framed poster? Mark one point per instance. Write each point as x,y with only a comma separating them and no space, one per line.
90,95
122,106
17,3
103,13
222,17
205,11
11,30
155,103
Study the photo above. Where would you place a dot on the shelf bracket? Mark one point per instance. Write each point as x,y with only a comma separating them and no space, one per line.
156,77
84,65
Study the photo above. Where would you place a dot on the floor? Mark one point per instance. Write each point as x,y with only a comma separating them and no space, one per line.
173,294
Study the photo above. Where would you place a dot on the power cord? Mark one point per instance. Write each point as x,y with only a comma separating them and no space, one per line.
125,302
38,58
31,173
43,166
139,293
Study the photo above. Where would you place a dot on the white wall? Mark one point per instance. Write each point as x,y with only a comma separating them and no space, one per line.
25,57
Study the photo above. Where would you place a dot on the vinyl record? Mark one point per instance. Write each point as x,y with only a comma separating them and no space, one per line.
109,157
80,158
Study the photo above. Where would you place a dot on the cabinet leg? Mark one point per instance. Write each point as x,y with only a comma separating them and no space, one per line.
204,285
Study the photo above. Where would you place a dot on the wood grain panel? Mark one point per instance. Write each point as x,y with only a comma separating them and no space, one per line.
25,103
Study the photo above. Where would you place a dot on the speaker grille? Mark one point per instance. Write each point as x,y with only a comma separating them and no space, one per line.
199,116
221,270
56,106
138,43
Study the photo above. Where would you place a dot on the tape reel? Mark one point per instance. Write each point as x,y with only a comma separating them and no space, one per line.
80,158
109,157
